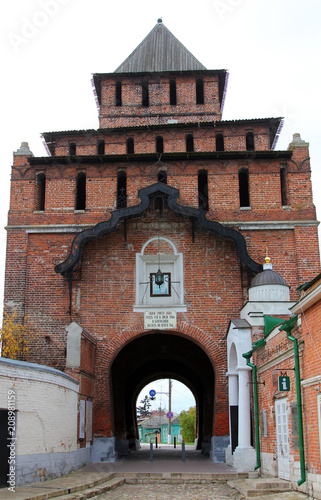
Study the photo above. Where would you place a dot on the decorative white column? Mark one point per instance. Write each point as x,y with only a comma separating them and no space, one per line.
244,456
233,391
244,437
233,395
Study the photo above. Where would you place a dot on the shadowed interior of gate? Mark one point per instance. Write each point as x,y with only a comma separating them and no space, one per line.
161,355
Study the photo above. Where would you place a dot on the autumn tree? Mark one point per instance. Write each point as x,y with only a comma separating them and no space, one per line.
15,338
187,421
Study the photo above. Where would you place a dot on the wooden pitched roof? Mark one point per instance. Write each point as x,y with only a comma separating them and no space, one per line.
160,51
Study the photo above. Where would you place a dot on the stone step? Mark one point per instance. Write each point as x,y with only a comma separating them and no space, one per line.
208,476
78,486
86,493
269,483
115,480
250,488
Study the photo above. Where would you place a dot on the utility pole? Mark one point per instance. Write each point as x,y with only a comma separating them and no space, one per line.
169,409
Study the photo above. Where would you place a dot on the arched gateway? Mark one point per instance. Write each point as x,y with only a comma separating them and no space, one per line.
156,355
169,328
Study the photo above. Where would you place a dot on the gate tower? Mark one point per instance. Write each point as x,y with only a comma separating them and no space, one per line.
131,247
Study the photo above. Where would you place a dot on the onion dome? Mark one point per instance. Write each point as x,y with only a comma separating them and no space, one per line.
269,286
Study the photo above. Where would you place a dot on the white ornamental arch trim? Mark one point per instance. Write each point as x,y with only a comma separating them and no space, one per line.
159,238
170,262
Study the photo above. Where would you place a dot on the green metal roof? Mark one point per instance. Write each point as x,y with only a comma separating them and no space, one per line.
270,322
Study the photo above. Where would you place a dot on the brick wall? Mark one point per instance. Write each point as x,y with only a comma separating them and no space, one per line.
103,293
159,110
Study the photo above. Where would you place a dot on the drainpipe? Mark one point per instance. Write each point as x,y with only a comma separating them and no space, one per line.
247,356
288,326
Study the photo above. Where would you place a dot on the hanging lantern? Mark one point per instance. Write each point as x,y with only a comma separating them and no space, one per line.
159,278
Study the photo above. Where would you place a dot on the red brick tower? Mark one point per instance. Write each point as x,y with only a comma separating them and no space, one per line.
164,184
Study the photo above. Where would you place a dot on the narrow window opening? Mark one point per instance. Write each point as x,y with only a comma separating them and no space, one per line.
172,92
81,191
189,143
284,190
162,176
41,192
219,142
121,189
130,146
101,147
199,91
72,149
159,144
249,141
203,190
118,94
145,94
244,187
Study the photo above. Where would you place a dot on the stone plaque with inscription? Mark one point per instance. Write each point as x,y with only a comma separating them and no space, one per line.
158,319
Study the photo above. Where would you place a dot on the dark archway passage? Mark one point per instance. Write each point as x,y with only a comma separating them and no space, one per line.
161,355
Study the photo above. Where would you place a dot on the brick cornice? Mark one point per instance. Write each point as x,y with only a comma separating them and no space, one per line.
309,300
153,157
241,225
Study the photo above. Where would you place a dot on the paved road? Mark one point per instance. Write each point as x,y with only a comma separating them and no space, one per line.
218,491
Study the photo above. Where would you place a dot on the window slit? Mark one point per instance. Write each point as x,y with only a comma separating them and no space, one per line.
199,91
72,149
172,92
130,146
145,93
249,141
244,187
203,190
162,176
118,94
283,179
81,191
189,143
159,144
41,192
101,147
121,189
219,142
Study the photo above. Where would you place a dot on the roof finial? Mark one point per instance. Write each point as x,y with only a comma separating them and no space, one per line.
159,20
267,261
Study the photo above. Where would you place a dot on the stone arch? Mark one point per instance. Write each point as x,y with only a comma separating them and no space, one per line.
184,328
143,356
232,358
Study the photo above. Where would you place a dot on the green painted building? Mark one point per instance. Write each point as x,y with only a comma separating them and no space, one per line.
156,427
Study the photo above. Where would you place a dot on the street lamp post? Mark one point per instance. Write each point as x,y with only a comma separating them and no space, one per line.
170,409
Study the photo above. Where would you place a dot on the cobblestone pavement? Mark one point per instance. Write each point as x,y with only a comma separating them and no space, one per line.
216,491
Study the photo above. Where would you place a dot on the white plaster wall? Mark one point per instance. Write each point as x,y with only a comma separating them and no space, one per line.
269,465
313,485
254,312
241,338
46,403
269,293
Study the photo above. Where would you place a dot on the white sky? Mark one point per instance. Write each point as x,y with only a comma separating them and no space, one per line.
270,48
182,397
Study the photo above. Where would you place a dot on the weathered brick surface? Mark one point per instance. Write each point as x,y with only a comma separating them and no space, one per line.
104,283
272,360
